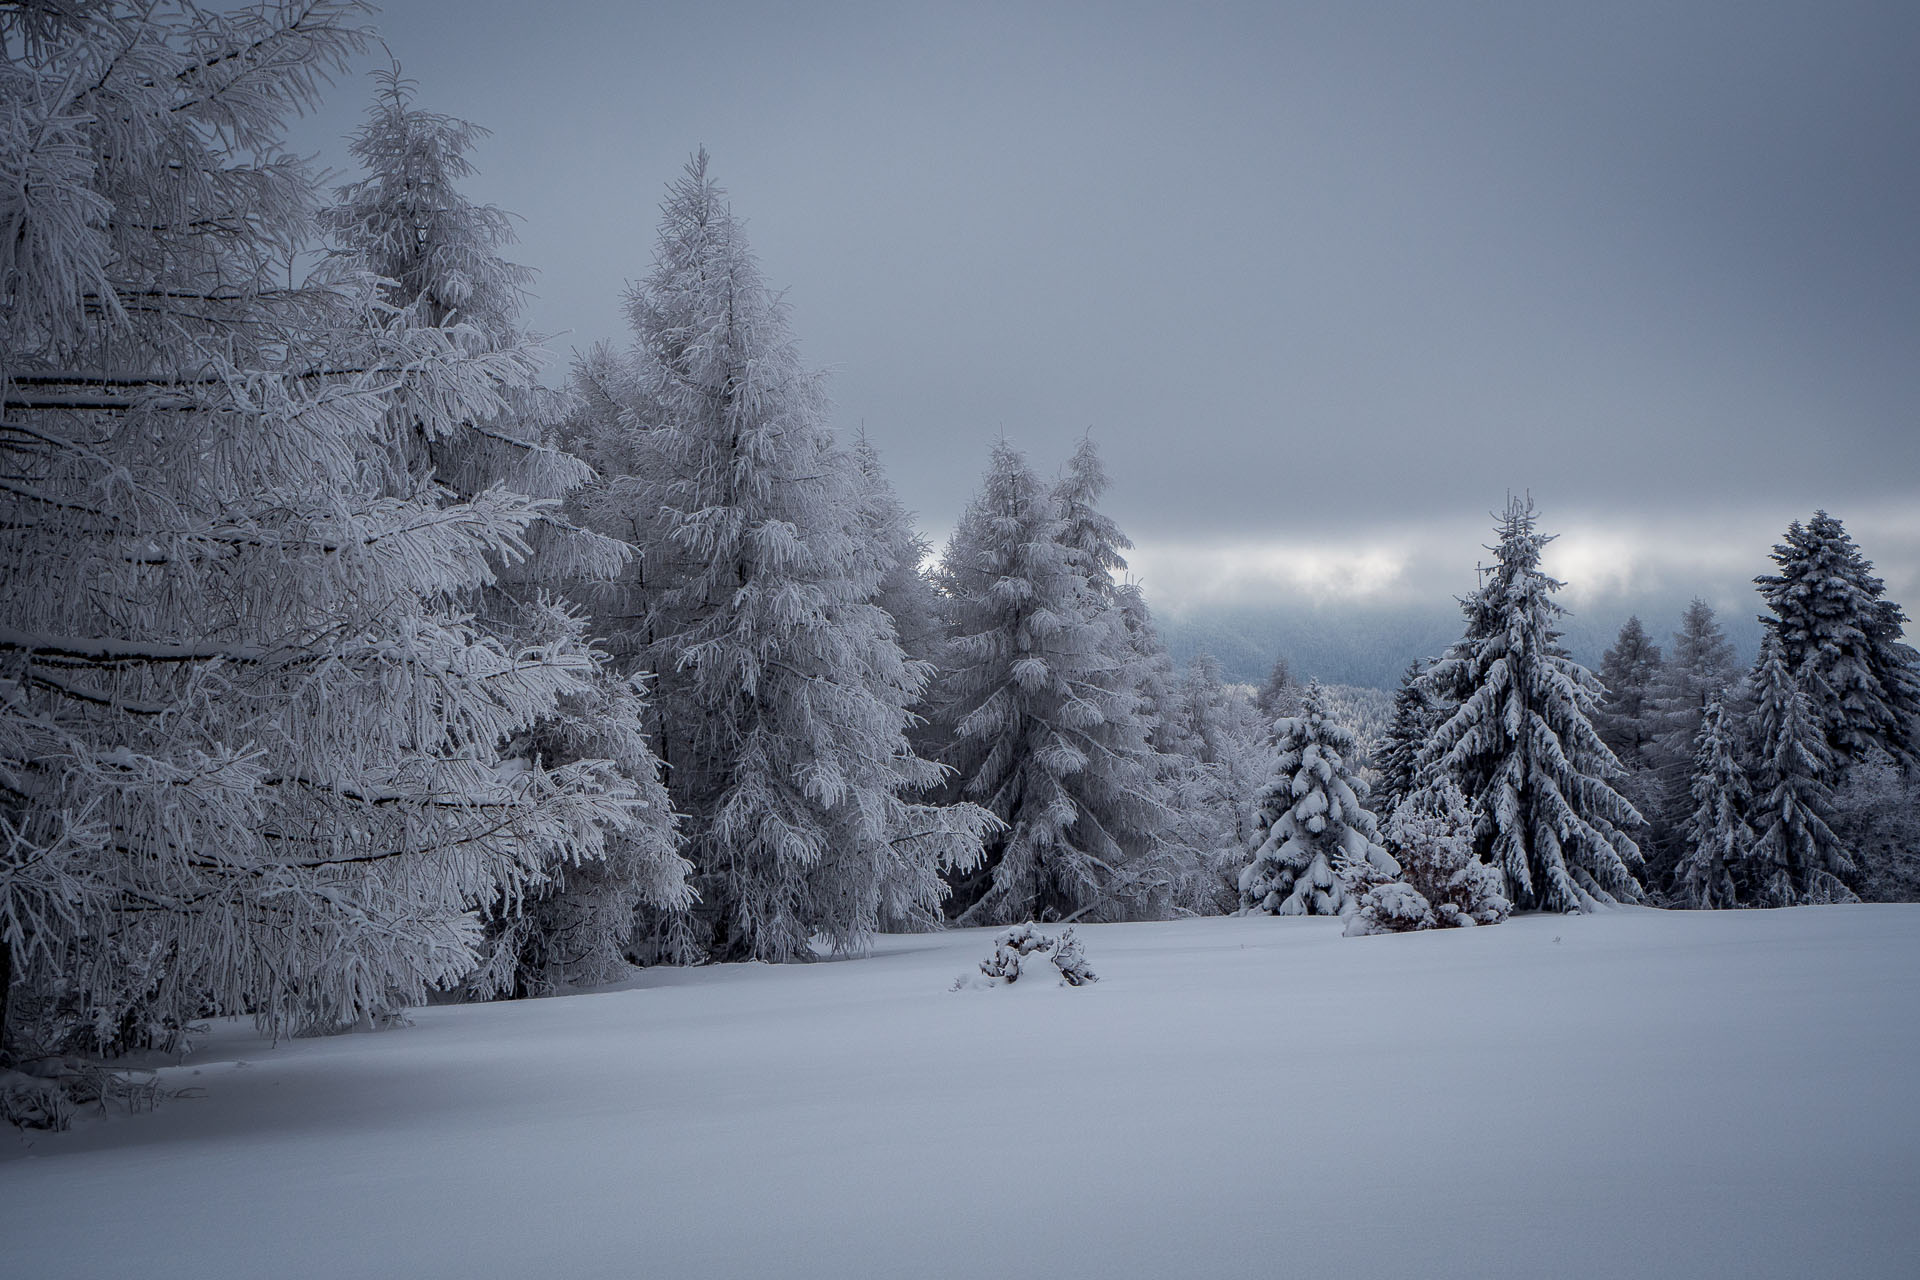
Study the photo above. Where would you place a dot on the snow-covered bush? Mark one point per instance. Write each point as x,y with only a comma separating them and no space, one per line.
1071,960
1021,951
1393,906
1442,885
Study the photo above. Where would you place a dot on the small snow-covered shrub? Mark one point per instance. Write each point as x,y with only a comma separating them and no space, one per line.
46,1093
1018,952
1071,961
1442,885
1392,907
32,1103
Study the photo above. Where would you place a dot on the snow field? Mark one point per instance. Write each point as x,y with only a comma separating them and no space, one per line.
1633,1093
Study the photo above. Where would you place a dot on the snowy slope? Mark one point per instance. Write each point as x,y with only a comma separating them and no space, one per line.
1636,1093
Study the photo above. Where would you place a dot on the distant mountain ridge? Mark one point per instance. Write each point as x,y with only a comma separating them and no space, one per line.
1370,646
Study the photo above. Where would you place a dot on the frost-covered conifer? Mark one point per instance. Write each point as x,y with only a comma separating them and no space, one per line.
1041,713
438,254
1442,885
906,593
782,692
1796,857
1718,840
1840,638
1279,694
1699,664
1521,744
1318,832
1416,713
1627,719
1220,743
1089,534
251,745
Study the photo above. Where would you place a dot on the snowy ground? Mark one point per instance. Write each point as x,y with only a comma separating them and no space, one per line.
1632,1094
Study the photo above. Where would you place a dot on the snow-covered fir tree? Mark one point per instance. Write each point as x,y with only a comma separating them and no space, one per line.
782,694
1521,743
1718,842
1089,534
1279,694
1796,856
1416,713
438,254
1221,745
1164,879
1317,833
1442,885
1699,664
906,593
1627,718
1840,637
1041,713
252,748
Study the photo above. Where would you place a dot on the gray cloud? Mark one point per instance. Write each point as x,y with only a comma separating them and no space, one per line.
1317,275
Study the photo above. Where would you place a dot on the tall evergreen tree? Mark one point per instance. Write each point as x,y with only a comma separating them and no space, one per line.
1700,664
1318,834
1041,712
438,255
1521,744
1089,534
1220,744
906,593
1719,843
1797,858
1626,718
1840,638
1416,713
1279,694
783,694
253,752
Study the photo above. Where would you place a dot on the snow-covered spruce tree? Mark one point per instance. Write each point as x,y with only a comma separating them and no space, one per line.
1221,744
1089,534
1318,832
1416,713
1718,840
906,593
782,693
1699,664
1040,714
1627,719
1521,744
250,743
1441,885
1166,880
438,255
1796,857
1279,694
1174,870
1840,638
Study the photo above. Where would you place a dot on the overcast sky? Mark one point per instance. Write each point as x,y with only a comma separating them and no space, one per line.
1324,279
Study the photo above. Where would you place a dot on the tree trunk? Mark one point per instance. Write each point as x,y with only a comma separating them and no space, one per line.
6,987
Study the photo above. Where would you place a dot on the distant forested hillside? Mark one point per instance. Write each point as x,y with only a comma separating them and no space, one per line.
1371,646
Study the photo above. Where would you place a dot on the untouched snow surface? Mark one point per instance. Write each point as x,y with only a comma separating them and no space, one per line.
1636,1093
